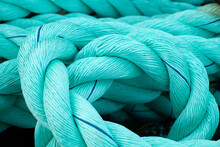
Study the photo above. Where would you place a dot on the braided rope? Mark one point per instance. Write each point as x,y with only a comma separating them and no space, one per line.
198,23
18,34
212,53
90,76
13,110
110,27
195,2
13,9
211,9
34,64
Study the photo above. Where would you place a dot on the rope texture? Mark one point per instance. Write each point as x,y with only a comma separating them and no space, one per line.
148,51
14,36
98,61
58,94
13,9
86,24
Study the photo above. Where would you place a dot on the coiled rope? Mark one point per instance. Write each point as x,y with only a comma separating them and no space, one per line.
94,65
85,22
98,61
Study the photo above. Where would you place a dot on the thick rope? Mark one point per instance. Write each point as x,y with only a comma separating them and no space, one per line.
141,99
13,9
199,23
18,34
211,68
91,64
13,110
92,87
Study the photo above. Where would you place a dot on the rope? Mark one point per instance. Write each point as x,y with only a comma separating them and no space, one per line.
16,88
204,54
13,9
199,49
200,23
98,61
13,109
113,56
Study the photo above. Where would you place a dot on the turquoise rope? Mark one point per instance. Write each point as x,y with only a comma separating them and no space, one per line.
85,56
208,62
15,37
198,56
19,88
95,92
13,9
195,2
13,109
200,24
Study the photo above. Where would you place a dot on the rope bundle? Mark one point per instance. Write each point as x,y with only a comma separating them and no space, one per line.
102,56
71,69
12,9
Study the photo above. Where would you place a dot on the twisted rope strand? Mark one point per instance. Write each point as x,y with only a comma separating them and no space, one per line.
60,99
208,50
12,9
103,46
84,25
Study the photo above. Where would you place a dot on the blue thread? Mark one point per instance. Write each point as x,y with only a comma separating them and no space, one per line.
38,33
92,90
176,71
208,23
210,64
16,36
94,126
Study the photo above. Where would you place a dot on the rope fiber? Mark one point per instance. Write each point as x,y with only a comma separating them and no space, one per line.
62,74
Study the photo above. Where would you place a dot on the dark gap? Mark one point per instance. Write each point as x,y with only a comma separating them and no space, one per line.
63,12
17,136
217,1
31,15
210,1
93,14
2,59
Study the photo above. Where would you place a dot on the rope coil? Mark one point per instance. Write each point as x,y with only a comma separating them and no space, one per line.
124,48
71,68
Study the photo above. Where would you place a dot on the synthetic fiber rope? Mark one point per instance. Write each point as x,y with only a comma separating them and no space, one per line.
12,9
106,58
71,69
